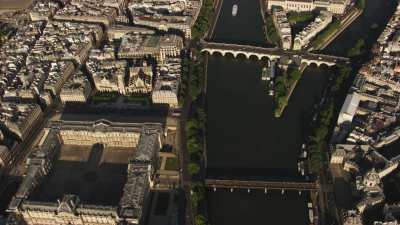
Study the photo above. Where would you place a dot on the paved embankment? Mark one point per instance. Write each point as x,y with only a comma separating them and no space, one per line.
344,23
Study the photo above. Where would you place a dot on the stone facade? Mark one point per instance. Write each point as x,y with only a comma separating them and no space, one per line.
333,6
144,139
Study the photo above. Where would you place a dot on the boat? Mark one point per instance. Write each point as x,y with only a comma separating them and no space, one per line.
270,87
234,10
310,211
300,167
303,155
271,92
268,72
264,74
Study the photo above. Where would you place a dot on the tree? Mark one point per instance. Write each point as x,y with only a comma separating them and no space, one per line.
200,220
201,115
193,168
280,89
282,101
191,125
360,4
357,49
194,92
295,74
193,146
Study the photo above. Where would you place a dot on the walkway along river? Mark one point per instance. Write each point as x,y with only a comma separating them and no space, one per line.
244,139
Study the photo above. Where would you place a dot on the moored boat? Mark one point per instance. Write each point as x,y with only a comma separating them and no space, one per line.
235,10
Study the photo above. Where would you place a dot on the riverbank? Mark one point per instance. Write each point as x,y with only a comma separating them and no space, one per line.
271,35
202,25
193,133
217,10
332,32
281,104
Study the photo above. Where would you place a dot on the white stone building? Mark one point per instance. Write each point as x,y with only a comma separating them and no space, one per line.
349,108
76,89
333,6
303,38
283,28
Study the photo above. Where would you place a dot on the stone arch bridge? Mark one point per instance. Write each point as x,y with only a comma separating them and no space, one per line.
271,53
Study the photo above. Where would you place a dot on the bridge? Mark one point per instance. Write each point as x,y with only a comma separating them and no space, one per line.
271,53
264,185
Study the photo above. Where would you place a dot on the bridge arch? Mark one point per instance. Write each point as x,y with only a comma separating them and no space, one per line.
317,63
265,58
230,53
256,56
271,53
237,54
211,52
327,64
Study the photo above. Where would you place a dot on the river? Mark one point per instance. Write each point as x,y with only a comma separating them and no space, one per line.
243,137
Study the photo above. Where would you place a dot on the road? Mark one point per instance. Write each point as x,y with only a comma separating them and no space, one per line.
183,153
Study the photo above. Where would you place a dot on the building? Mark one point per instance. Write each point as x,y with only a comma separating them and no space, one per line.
170,46
58,74
167,84
76,89
140,80
108,75
333,6
283,28
37,61
43,10
20,118
352,217
165,15
166,92
57,189
303,38
165,23
369,118
349,108
118,31
158,47
93,11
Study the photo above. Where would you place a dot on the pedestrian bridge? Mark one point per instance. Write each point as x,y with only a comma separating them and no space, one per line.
264,185
271,53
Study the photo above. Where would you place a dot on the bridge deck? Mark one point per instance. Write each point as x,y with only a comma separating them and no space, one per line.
273,52
246,184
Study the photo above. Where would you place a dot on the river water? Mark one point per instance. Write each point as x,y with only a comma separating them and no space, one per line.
243,137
